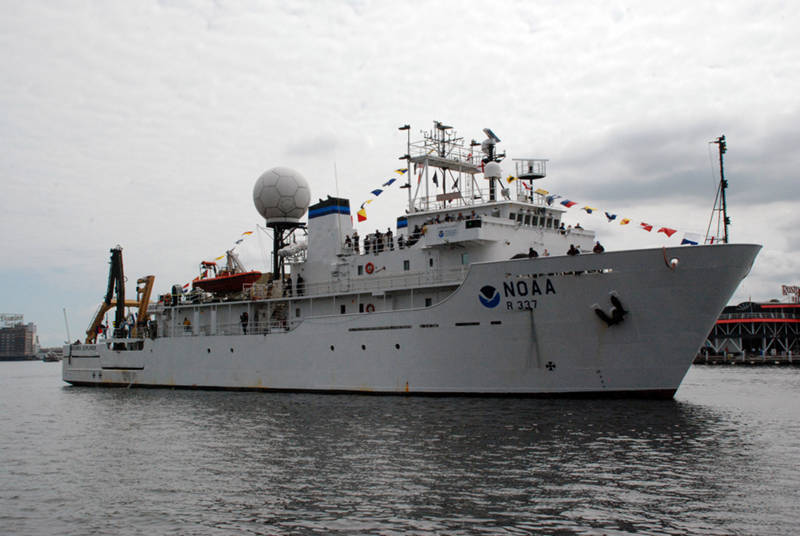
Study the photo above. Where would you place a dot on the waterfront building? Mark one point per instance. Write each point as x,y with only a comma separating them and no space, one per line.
18,341
755,330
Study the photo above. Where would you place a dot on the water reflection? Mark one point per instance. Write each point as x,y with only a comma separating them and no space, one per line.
380,464
127,461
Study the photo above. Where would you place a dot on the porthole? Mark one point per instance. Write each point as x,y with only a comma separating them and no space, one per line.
208,350
231,350
397,346
363,346
331,348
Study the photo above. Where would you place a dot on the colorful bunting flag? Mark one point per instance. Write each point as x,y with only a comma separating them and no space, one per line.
377,192
667,231
401,170
220,258
510,179
239,241
435,179
389,182
526,186
362,215
541,191
185,286
624,221
646,226
588,209
611,217
247,233
569,204
367,202
691,239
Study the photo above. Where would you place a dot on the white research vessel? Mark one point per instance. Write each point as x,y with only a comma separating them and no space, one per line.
461,307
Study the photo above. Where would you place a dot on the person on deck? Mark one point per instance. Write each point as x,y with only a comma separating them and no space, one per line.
355,242
573,250
389,239
187,325
532,253
245,319
598,247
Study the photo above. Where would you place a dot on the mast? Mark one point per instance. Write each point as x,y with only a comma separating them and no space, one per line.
722,216
407,158
723,184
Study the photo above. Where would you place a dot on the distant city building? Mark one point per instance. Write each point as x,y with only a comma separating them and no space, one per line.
17,340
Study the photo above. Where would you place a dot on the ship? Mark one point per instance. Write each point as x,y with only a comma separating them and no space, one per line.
479,290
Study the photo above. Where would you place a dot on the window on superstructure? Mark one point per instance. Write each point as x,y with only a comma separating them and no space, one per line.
512,216
465,258
406,265
297,312
360,269
519,217
342,309
549,223
428,302
527,219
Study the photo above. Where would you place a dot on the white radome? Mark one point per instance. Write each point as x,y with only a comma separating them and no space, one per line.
281,194
492,170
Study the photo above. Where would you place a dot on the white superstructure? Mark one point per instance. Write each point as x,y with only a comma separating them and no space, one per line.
473,293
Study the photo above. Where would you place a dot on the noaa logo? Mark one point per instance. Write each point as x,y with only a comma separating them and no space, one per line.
489,296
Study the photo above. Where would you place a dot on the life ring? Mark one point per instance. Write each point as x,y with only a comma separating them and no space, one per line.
369,268
370,308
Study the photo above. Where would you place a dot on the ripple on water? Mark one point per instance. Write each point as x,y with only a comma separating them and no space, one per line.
721,459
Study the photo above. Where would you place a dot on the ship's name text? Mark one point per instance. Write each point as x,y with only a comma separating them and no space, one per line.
525,289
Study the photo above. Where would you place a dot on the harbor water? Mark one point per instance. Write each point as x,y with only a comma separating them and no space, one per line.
722,458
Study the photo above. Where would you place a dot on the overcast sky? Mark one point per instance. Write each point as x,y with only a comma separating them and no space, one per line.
146,124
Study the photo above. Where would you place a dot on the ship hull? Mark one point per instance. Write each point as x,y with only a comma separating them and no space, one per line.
524,327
